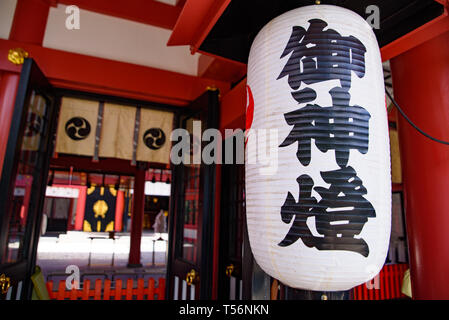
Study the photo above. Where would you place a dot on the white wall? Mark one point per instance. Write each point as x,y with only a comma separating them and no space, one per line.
118,39
7,9
157,188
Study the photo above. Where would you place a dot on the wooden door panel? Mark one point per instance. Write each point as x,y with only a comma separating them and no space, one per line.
24,178
232,223
192,212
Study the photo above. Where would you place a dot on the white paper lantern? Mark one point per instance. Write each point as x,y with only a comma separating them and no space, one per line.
320,220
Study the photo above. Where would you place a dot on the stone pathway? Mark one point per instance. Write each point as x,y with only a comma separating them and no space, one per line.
100,255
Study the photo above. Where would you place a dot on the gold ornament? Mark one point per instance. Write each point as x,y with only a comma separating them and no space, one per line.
91,190
5,283
17,56
100,209
86,226
113,192
109,227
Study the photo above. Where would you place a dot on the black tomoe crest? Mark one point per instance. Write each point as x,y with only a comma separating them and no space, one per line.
35,125
77,128
154,138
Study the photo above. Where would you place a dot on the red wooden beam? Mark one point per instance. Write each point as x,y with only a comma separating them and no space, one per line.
86,164
105,165
180,3
91,74
416,37
214,67
145,11
195,22
233,108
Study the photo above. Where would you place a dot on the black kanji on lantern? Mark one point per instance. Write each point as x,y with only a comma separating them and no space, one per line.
340,215
340,127
319,55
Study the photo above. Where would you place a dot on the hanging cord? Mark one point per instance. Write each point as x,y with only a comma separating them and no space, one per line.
412,124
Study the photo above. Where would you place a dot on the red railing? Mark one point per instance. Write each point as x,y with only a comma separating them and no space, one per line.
386,286
103,291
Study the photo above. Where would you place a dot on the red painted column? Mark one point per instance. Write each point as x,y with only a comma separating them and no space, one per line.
80,208
137,219
8,89
421,88
30,20
119,207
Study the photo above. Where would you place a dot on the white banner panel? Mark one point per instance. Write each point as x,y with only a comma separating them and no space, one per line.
154,136
117,131
76,127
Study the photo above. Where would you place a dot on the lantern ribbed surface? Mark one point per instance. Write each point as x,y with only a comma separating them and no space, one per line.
321,218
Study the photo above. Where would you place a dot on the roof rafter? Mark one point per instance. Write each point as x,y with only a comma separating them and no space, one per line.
144,11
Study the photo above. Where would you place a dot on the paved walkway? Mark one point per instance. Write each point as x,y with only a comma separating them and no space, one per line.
95,253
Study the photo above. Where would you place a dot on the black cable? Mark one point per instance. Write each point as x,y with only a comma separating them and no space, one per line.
412,124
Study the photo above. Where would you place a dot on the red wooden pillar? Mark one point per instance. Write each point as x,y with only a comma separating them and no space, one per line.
421,88
80,208
137,219
30,20
119,207
8,89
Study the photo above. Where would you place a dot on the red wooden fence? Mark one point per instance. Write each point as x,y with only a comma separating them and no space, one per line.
103,290
387,285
